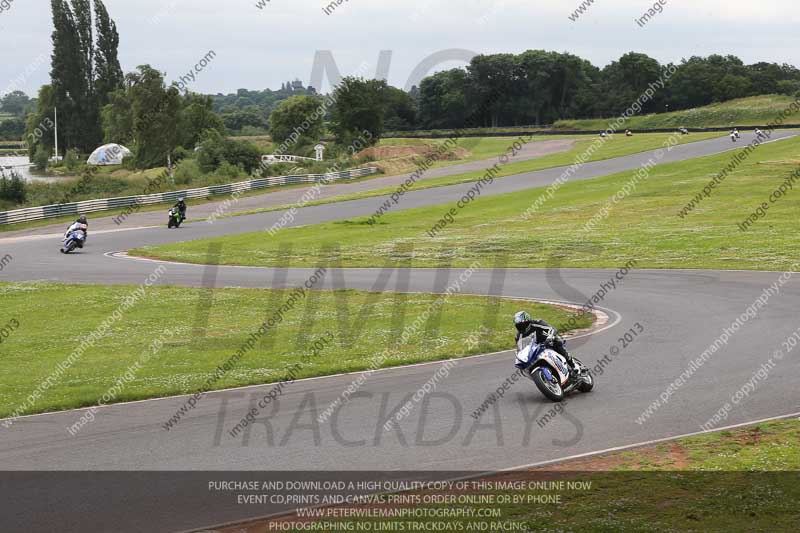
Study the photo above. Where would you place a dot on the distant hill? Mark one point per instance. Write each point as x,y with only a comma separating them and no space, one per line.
247,112
11,127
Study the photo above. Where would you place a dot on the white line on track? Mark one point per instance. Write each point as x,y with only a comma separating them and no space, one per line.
650,442
125,256
48,236
602,315
602,323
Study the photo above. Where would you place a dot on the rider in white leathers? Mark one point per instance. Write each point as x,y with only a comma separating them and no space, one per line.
81,224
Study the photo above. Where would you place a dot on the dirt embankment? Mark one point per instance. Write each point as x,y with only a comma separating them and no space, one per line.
400,159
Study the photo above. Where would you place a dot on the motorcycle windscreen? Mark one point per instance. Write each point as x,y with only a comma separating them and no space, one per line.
526,341
526,350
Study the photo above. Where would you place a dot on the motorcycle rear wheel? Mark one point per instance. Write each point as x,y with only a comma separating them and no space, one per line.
551,389
588,383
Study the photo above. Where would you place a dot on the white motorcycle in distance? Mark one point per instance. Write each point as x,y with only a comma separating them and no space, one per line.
549,370
75,239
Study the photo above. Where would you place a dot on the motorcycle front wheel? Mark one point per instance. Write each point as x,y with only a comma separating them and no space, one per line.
549,387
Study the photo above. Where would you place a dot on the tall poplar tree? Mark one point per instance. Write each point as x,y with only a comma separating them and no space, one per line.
108,73
66,73
83,72
89,112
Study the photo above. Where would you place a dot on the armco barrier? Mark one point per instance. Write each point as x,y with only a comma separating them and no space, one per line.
90,206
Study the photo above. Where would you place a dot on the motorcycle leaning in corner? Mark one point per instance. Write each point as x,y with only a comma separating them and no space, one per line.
74,239
549,370
175,218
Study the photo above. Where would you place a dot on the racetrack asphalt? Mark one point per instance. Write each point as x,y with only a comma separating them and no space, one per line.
681,312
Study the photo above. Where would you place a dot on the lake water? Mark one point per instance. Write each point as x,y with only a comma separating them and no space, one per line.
21,165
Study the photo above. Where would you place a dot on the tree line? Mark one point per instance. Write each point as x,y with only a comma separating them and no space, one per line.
15,105
247,112
356,114
538,87
97,103
541,87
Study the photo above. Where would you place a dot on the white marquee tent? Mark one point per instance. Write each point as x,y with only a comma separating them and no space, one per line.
108,154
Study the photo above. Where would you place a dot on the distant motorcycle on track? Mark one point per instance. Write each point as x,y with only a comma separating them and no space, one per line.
175,218
549,370
75,239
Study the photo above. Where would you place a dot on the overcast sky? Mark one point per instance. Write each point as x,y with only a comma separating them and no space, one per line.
260,48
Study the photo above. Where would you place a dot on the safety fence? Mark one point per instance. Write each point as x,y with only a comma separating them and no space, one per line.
105,204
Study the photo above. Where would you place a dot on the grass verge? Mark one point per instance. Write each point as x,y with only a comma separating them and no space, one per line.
643,225
752,111
740,480
45,335
615,147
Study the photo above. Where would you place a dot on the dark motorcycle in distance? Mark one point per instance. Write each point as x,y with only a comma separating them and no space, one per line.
175,218
75,239
549,370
